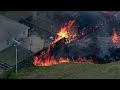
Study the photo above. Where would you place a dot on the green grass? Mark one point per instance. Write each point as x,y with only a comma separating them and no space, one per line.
67,71
1,71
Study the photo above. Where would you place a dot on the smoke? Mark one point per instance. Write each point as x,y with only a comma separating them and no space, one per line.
104,47
95,45
98,45
87,18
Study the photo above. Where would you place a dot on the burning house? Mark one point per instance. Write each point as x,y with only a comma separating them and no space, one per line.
95,40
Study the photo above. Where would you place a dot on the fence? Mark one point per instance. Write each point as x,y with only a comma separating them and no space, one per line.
23,58
5,66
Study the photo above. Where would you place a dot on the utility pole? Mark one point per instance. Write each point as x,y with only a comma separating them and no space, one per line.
16,49
16,57
30,45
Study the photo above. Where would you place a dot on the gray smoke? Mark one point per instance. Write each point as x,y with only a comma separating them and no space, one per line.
98,41
95,45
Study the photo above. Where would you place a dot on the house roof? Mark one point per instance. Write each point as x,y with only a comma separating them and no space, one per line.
10,28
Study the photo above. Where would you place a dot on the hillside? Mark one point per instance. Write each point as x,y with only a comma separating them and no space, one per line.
67,71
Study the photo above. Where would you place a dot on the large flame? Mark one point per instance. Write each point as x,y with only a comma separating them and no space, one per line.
115,37
45,59
50,60
64,31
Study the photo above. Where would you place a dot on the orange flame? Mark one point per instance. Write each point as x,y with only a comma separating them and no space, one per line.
44,59
115,37
52,61
62,60
64,31
49,61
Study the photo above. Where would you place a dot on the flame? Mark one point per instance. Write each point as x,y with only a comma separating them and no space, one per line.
80,60
64,31
62,60
115,37
49,61
45,59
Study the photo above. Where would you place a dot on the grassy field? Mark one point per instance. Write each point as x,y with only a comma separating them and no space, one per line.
1,71
66,71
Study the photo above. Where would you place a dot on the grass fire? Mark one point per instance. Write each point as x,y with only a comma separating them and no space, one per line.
56,51
45,59
60,45
61,48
